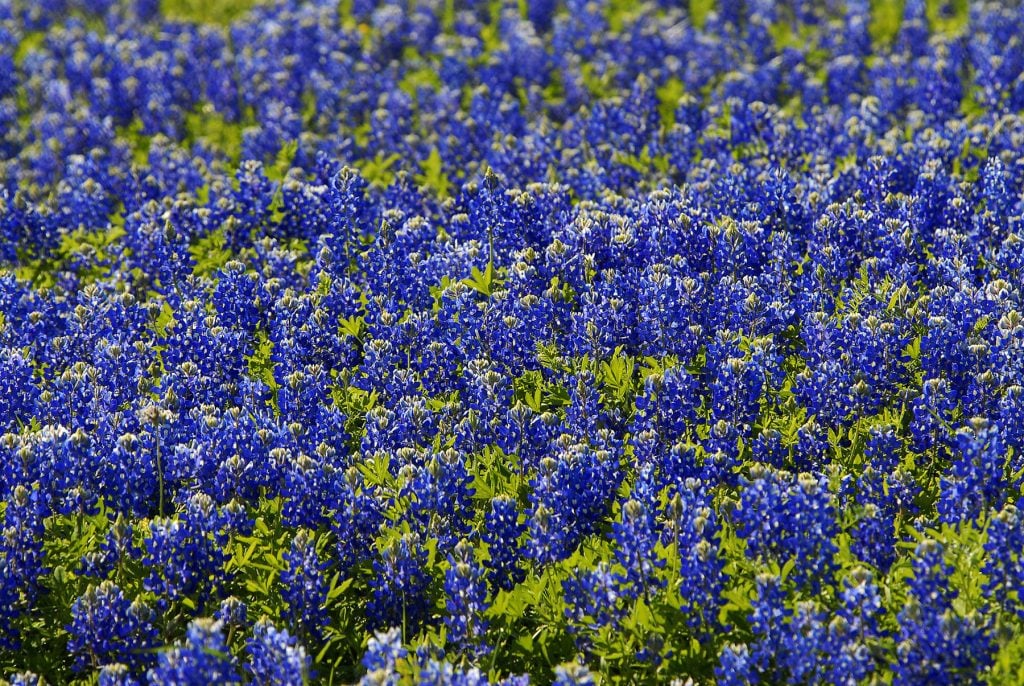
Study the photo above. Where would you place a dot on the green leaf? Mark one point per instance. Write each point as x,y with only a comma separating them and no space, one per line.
669,94
377,171
283,161
164,321
207,11
433,176
337,589
353,326
484,282
210,253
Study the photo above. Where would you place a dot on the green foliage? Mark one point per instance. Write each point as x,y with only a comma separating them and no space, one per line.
539,395
206,11
886,16
206,125
1008,667
669,94
261,363
699,10
619,381
529,628
644,162
210,253
416,78
29,42
433,176
485,282
86,247
377,170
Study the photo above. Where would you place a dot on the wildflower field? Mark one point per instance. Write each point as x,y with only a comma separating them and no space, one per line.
512,341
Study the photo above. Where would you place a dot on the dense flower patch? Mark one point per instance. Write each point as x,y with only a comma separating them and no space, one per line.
561,341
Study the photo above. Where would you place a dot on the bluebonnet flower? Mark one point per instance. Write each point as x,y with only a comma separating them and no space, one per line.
736,384
357,520
204,658
466,601
635,541
593,599
937,644
232,612
307,489
690,530
570,495
802,529
10,595
117,548
734,666
884,494
850,655
305,587
440,494
489,395
1004,565
186,555
236,298
932,416
670,404
767,619
381,658
573,675
27,679
976,481
106,627
502,533
401,586
803,645
117,675
276,657
435,672
19,393
21,558
520,433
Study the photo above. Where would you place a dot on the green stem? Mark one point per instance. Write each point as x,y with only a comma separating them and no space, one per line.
159,477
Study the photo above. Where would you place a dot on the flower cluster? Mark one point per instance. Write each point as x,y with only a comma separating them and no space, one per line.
573,341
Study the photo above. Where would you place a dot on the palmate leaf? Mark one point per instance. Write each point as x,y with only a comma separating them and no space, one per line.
377,170
433,175
485,282
210,253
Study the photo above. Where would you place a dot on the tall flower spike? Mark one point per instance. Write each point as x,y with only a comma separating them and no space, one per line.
275,657
635,539
381,658
400,587
106,627
502,534
204,658
466,601
305,587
